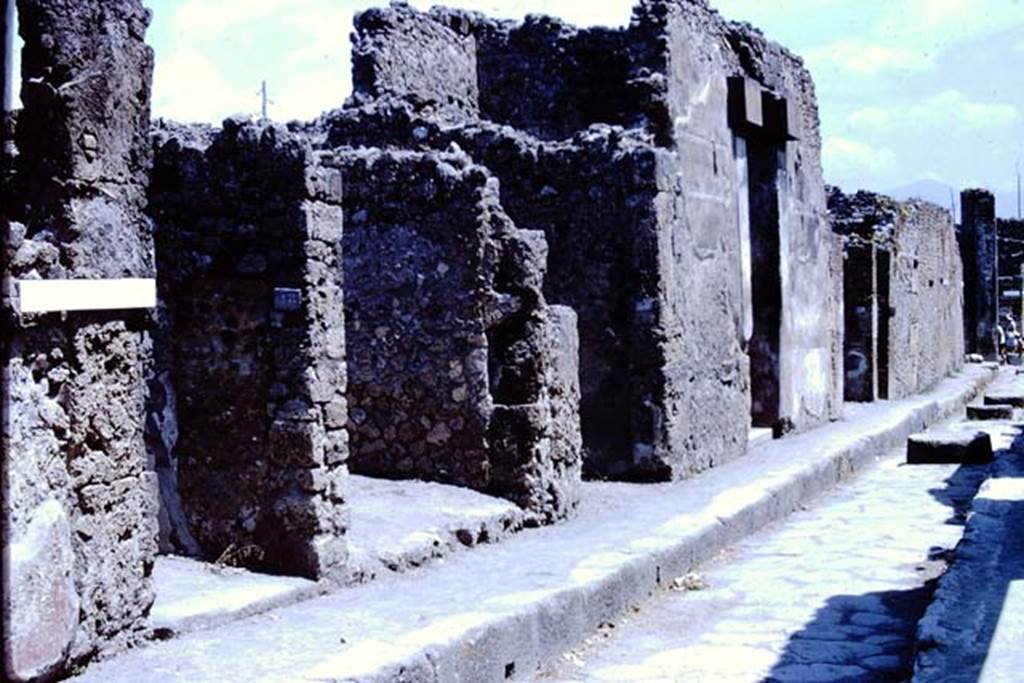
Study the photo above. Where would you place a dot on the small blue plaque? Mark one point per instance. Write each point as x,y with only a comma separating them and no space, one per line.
287,299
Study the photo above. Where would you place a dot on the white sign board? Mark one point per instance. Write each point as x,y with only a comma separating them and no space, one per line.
46,296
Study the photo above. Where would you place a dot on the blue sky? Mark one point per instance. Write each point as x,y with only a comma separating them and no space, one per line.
909,90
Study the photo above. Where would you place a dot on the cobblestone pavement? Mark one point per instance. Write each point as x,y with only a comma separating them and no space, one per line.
831,594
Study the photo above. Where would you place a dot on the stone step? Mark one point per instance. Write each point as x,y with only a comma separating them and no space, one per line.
1005,398
949,447
991,412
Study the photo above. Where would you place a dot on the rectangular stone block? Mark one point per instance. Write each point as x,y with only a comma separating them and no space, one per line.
1004,398
746,106
990,412
949,447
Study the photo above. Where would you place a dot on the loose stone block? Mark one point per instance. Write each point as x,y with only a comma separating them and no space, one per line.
949,447
990,412
1000,398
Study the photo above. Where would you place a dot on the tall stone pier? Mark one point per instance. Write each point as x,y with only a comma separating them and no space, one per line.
79,513
979,250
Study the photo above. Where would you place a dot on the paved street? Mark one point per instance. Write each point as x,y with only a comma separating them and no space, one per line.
833,593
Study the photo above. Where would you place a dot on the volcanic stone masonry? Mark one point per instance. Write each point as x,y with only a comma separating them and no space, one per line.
1011,262
251,347
979,250
459,370
79,502
904,299
681,195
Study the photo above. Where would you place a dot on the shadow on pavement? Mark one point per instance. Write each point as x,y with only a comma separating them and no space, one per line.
871,637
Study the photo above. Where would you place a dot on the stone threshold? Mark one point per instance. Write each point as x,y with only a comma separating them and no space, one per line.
499,612
396,526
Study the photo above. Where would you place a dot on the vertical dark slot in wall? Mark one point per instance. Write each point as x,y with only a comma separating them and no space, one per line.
860,357
766,282
883,273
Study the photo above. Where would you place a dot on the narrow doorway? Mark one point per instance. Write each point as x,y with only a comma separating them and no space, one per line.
763,162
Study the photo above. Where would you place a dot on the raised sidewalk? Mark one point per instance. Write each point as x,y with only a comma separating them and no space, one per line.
497,612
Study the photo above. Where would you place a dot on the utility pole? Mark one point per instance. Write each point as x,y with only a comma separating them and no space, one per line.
264,101
952,205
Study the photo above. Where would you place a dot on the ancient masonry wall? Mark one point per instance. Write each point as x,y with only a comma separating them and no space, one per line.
79,506
248,245
979,250
904,301
1011,261
926,297
633,216
459,370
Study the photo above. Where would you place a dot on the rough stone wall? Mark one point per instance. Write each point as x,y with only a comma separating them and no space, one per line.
979,251
248,242
662,301
1011,260
903,297
786,207
926,342
459,370
432,61
550,79
79,501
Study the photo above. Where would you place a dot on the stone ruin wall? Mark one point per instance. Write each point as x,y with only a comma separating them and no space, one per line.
979,250
635,290
623,182
459,370
926,341
1011,266
79,503
904,300
252,347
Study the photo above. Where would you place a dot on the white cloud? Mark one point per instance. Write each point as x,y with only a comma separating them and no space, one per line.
940,111
844,156
188,87
865,58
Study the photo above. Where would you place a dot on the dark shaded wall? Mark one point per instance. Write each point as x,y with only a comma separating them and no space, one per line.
634,217
979,250
459,370
249,249
432,62
79,506
1011,261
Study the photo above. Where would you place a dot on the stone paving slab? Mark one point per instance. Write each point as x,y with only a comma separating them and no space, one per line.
974,627
833,592
501,610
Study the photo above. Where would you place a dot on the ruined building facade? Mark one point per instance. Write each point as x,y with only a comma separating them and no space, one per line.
521,255
670,165
903,295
